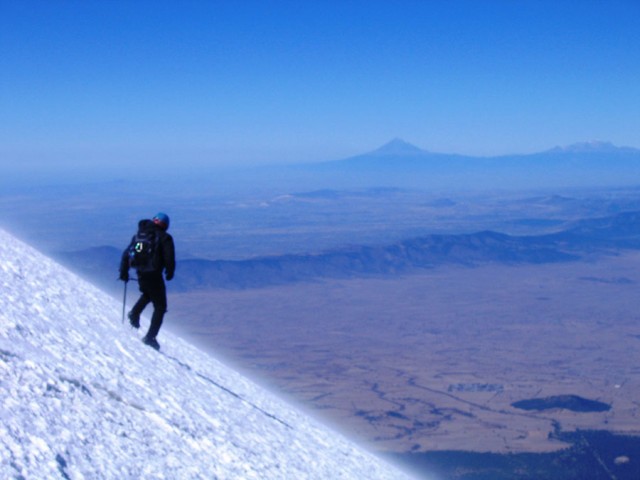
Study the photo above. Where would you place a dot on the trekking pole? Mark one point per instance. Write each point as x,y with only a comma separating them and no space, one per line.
124,301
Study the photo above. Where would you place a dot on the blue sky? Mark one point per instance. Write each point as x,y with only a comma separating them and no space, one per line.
242,82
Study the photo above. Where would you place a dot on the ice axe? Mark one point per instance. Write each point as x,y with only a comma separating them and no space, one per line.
124,300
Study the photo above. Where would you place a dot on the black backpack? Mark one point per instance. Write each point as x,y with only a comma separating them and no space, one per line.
144,249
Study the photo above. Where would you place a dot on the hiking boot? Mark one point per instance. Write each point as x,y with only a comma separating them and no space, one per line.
134,320
152,342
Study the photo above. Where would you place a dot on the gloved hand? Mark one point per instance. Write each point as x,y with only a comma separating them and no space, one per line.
168,276
124,276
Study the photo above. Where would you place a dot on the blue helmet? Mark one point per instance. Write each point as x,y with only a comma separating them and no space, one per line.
162,220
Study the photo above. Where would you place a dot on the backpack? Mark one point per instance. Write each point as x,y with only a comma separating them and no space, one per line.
144,249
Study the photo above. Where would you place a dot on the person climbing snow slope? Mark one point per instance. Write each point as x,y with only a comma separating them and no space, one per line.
151,252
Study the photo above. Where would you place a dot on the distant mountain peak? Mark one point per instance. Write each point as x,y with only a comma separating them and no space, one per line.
397,146
597,146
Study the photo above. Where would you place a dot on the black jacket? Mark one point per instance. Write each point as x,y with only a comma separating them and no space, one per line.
166,255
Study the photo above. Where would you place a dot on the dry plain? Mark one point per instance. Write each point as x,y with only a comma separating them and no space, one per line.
434,361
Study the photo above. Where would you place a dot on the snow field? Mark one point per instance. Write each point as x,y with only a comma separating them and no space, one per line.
82,398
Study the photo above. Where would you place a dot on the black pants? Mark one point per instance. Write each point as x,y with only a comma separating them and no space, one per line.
153,291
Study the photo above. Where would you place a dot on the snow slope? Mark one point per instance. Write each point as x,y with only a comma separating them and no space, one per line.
82,397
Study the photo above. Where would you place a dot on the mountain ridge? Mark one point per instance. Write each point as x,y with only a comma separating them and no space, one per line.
401,164
404,257
593,146
400,146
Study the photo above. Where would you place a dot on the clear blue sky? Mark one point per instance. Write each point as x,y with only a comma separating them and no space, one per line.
233,82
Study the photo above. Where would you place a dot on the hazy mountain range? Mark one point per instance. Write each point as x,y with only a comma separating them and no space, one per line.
579,239
402,164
